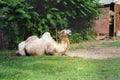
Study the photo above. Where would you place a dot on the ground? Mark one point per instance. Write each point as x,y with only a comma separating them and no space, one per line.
96,52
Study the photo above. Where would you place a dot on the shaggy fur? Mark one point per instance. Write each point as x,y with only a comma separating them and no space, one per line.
22,45
59,48
38,46
47,45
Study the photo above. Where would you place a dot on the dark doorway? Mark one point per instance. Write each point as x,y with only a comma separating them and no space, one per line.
111,26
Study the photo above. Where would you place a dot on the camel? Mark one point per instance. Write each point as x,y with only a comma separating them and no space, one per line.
38,46
56,48
46,45
21,45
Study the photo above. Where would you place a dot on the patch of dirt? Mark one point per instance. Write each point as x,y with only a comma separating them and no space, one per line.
96,53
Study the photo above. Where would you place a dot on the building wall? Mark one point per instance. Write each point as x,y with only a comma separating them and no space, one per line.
102,23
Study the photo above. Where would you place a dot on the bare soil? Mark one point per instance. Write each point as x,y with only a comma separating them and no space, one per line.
96,53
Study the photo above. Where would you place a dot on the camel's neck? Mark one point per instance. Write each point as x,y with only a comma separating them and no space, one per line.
63,46
65,42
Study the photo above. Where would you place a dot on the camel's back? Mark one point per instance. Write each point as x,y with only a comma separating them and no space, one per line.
36,47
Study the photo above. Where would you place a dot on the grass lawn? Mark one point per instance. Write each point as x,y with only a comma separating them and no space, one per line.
95,44
60,67
57,68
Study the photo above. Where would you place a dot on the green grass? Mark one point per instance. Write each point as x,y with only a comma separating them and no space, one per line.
95,44
57,68
111,44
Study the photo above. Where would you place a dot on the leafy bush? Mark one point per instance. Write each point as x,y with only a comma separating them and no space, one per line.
78,37
18,20
22,18
75,38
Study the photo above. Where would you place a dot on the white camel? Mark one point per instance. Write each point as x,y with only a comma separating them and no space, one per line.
21,45
59,48
38,46
47,45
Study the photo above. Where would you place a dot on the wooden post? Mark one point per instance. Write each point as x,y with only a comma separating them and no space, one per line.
56,34
40,32
117,19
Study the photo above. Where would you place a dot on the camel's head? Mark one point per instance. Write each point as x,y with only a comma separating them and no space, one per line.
65,33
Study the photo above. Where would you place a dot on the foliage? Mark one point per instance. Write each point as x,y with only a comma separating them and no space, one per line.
77,14
53,11
79,37
22,18
75,38
57,68
18,20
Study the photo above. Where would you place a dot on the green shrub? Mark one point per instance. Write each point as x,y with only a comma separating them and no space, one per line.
75,38
17,21
22,18
79,37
